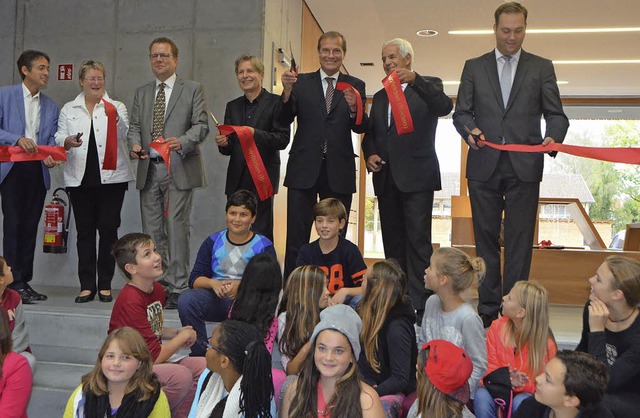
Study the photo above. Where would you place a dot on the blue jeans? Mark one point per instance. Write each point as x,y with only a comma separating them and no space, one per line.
196,306
485,407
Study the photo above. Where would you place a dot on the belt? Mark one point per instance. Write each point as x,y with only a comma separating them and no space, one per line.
156,160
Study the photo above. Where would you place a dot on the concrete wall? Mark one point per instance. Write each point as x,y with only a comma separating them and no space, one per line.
210,34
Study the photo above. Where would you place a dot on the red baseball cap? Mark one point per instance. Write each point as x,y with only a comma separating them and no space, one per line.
448,368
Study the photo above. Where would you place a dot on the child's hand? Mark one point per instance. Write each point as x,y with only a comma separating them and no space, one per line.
518,378
189,336
339,297
230,288
218,287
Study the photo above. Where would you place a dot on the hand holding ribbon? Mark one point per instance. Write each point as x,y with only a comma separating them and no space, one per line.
398,101
342,86
613,155
16,154
252,157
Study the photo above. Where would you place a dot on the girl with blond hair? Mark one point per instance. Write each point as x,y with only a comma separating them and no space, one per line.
121,384
522,341
447,315
305,294
389,353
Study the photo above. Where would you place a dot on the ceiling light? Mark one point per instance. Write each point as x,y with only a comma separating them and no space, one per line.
581,62
427,33
566,30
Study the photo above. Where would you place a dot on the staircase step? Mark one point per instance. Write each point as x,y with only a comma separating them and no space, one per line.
52,385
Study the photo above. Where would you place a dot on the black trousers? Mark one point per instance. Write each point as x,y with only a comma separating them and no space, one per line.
503,192
405,219
96,209
264,216
23,194
300,204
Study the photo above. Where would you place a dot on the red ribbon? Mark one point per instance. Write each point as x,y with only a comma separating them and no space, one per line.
614,155
16,154
398,102
163,149
341,86
111,151
254,161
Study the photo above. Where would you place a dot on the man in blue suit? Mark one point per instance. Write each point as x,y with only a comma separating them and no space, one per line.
28,119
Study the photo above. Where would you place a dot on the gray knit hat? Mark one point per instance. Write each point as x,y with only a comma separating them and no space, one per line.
345,320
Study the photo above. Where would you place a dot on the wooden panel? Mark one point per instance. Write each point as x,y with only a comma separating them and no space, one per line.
582,220
311,31
565,273
632,238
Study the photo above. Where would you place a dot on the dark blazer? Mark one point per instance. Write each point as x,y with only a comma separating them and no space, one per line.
411,158
270,136
534,94
307,102
185,118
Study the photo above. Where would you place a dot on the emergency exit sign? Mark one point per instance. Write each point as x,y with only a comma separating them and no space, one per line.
65,72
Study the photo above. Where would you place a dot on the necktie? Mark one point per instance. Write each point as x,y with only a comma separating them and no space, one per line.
505,79
328,98
158,113
329,95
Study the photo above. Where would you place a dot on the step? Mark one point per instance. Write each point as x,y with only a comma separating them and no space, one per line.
61,330
52,386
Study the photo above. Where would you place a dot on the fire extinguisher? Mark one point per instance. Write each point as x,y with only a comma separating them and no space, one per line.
56,231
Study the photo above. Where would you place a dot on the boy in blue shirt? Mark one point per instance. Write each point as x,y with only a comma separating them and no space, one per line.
338,257
219,266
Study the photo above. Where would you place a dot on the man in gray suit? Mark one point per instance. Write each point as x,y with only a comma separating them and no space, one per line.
501,98
175,110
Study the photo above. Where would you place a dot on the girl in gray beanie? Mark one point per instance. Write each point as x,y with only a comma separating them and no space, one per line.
329,385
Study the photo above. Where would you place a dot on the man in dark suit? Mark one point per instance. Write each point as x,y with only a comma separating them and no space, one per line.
321,160
501,98
174,109
28,118
259,110
405,167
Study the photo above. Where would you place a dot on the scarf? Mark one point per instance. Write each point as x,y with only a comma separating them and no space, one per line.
213,393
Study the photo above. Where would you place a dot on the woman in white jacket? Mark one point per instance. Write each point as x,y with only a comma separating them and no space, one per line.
93,129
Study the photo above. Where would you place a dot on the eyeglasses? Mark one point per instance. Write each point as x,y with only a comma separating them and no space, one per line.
325,52
216,349
161,56
95,79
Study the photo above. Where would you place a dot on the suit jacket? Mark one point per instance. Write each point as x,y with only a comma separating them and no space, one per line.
307,102
185,118
13,122
534,94
270,135
411,158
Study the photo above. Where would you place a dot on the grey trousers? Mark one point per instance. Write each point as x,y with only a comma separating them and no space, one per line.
171,233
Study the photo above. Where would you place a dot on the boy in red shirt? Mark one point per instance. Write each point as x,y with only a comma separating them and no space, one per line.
140,306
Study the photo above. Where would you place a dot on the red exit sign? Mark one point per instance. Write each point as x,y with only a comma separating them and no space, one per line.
65,72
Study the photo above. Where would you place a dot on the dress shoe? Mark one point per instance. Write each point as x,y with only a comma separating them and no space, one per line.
28,298
105,298
172,301
85,298
38,296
